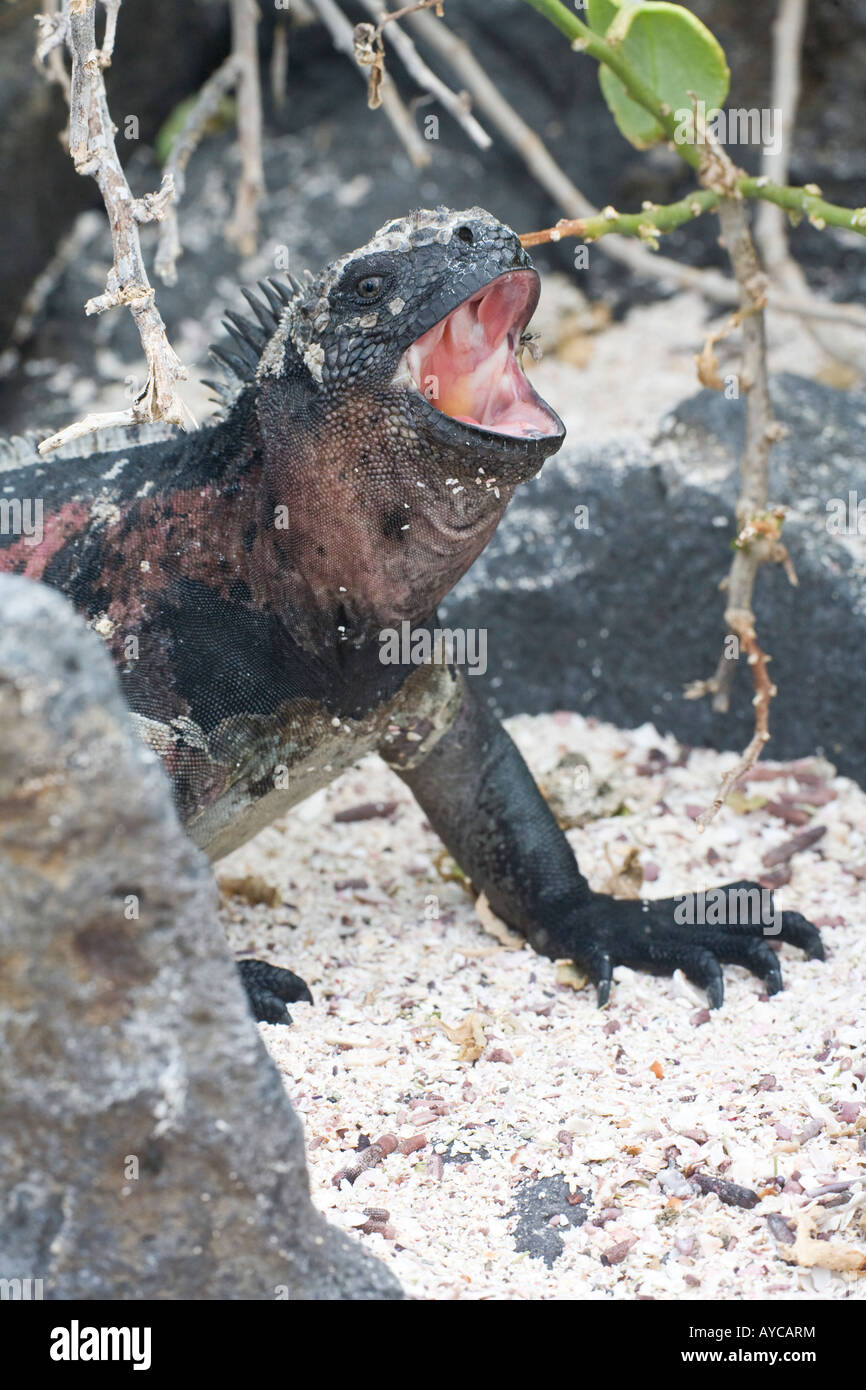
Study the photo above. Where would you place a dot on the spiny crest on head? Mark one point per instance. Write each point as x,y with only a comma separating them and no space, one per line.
251,338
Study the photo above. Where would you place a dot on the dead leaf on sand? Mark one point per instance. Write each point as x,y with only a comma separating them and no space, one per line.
255,889
469,1035
821,1254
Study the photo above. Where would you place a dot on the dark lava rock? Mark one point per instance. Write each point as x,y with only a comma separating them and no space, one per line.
616,619
163,52
147,1149
536,1203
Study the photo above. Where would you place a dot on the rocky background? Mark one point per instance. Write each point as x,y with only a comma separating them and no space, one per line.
613,620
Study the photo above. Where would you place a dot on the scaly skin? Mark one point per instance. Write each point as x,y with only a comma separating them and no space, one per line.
241,577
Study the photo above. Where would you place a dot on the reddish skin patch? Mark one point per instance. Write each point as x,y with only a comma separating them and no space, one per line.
57,529
196,533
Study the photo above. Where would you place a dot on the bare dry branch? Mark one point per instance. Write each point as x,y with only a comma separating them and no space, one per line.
456,104
436,5
758,538
296,17
106,52
48,59
242,230
279,67
91,145
342,34
184,145
742,625
771,223
788,30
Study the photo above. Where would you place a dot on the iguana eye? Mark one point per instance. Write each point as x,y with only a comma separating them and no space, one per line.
369,286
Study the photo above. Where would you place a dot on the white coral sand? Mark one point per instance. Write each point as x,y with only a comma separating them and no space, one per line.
624,1103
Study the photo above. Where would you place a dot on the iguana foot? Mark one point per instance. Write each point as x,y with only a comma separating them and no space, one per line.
269,988
663,936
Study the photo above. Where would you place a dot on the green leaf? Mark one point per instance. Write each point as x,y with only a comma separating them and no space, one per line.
670,50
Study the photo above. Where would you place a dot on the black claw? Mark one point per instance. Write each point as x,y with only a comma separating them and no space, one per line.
599,967
761,959
269,1009
716,992
704,970
798,932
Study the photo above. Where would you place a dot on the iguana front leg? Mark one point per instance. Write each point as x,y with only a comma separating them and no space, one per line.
481,800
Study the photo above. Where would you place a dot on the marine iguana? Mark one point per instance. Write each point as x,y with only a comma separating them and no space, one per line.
375,424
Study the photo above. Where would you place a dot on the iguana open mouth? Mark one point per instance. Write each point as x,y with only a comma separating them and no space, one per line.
467,365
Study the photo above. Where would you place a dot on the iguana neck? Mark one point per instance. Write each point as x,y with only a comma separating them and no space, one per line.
349,523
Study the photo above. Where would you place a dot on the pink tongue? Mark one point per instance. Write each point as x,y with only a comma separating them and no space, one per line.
465,364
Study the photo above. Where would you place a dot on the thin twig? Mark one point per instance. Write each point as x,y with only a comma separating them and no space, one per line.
48,58
342,34
91,145
764,692
183,146
770,222
403,13
456,104
107,50
788,29
758,527
279,68
297,17
242,230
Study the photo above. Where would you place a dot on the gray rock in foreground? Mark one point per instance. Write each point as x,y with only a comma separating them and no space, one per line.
616,619
127,1045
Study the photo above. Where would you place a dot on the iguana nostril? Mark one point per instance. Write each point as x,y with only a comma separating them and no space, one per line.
465,234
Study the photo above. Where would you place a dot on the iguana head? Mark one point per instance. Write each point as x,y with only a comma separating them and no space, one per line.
392,407
429,316
433,309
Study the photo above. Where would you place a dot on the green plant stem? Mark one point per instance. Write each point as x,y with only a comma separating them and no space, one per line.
657,219
811,205
668,216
